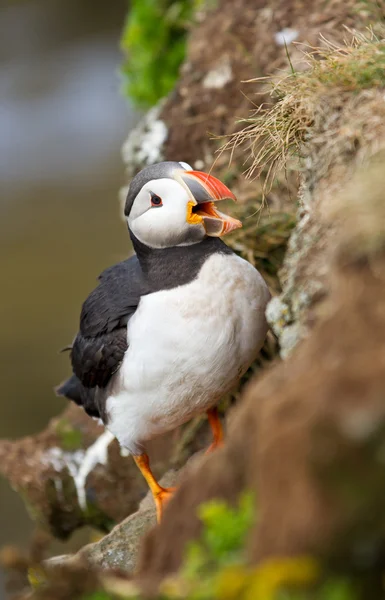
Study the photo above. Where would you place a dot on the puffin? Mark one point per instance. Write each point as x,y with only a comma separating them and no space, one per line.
170,330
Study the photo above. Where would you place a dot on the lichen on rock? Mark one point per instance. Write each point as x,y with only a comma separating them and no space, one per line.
66,486
144,145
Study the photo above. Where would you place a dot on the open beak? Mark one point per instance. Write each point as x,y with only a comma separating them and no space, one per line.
205,190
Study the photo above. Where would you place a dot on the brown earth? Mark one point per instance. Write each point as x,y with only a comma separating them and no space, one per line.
240,33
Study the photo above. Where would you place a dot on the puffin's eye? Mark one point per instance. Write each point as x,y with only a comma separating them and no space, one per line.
156,200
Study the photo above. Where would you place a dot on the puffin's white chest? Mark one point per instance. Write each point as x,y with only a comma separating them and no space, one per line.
187,347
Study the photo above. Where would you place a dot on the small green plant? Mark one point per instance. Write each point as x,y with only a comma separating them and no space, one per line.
154,43
223,537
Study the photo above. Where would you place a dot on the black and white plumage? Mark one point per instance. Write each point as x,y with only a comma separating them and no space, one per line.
168,331
101,342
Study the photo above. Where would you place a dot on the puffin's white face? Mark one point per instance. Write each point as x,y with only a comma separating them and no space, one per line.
158,217
179,210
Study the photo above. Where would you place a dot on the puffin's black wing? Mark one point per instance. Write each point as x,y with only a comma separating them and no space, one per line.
95,359
99,347
82,396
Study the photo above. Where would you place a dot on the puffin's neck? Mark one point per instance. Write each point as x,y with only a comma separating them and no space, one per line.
165,268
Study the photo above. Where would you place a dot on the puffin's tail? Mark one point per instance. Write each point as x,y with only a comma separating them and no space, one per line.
74,390
71,389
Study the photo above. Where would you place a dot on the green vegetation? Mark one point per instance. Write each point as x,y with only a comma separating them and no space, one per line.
223,538
215,568
154,43
355,67
70,438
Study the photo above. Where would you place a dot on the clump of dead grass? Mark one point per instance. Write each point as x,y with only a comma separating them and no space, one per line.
275,133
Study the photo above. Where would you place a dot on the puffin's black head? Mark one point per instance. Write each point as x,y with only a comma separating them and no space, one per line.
169,204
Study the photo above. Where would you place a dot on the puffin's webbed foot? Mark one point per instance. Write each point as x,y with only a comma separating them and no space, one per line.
216,428
160,494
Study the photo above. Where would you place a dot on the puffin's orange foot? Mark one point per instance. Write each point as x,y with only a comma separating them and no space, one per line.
216,427
161,498
160,494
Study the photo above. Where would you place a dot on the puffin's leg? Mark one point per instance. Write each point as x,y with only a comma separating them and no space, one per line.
216,428
161,495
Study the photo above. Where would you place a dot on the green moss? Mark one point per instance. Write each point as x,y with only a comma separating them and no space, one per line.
361,68
154,44
70,438
96,518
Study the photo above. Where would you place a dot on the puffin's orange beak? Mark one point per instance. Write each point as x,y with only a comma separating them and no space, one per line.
205,190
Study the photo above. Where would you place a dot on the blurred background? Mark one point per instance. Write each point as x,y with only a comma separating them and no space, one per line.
62,122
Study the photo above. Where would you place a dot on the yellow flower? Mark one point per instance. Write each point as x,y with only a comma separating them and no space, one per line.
232,582
276,573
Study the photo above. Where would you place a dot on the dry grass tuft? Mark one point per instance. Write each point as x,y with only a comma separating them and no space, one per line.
274,133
